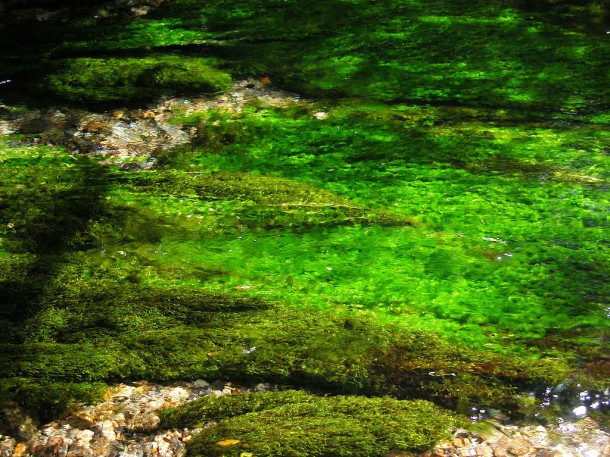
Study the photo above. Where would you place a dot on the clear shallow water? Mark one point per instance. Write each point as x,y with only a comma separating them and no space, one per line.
457,180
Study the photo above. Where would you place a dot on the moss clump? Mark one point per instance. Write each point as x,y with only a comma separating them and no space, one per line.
50,400
103,80
294,423
254,200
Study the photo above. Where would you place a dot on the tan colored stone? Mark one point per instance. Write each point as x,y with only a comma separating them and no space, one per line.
83,437
79,451
37,445
484,451
461,442
500,448
6,446
55,443
520,446
466,452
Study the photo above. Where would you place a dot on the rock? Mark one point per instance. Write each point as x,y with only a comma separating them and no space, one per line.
38,444
461,442
201,384
83,437
6,446
548,453
519,446
484,451
79,451
20,450
146,422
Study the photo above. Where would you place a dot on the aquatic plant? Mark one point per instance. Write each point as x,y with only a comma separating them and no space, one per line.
438,210
296,423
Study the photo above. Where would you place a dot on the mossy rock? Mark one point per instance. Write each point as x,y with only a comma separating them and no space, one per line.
51,400
104,80
294,423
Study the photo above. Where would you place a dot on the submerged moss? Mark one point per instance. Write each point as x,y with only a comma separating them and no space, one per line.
479,228
50,400
188,336
295,423
265,201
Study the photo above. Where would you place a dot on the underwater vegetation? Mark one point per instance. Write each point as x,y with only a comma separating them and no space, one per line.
467,52
296,423
426,220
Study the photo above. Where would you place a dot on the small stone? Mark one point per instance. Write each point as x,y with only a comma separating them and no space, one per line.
20,450
84,436
263,387
63,451
484,451
82,419
37,445
27,428
79,451
201,384
461,442
47,431
138,11
55,443
119,420
500,448
147,422
548,453
7,445
519,446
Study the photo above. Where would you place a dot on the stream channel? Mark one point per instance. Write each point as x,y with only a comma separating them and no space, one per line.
355,197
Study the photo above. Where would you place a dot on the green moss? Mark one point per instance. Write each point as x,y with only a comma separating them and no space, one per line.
256,200
103,80
50,400
187,336
295,423
484,222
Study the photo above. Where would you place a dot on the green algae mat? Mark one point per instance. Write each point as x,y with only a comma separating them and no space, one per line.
427,219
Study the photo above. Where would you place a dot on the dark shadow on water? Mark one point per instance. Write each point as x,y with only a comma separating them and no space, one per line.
59,225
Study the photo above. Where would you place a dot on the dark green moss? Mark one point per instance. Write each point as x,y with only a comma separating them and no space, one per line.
297,424
291,346
103,80
50,400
